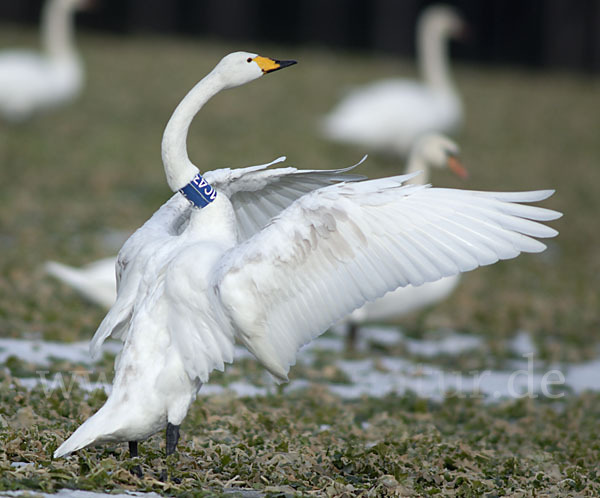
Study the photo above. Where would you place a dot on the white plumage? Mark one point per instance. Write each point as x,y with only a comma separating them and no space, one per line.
430,151
275,259
391,114
32,81
97,282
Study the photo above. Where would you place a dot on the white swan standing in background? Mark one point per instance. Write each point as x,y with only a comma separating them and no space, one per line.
271,258
31,81
430,151
391,114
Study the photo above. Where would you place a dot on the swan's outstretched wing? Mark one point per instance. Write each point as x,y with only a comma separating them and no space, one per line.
258,193
149,241
340,246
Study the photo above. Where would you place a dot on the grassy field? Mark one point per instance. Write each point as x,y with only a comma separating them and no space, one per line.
78,179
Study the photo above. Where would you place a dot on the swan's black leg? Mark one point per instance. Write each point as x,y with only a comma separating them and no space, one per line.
352,337
136,470
172,440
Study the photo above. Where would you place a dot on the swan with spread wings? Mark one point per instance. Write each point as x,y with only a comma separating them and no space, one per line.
270,258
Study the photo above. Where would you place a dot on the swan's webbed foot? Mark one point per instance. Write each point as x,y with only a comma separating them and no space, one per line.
136,470
172,440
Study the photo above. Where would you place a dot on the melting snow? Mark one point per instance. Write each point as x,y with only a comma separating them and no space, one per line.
583,376
451,343
522,344
41,352
368,377
74,493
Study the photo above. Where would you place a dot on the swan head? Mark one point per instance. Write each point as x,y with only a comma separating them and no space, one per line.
239,68
438,151
232,70
443,20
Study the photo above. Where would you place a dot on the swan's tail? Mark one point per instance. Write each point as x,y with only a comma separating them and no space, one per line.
93,430
74,443
92,288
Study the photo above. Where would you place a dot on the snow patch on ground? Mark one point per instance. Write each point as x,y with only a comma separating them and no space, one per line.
451,344
75,493
522,344
368,377
42,352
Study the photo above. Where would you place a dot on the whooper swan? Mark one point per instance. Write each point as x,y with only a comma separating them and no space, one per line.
390,115
32,81
271,258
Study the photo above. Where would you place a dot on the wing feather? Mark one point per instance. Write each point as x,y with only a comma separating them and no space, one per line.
132,264
258,193
337,247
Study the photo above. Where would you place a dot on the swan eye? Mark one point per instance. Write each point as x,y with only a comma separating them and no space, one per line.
249,59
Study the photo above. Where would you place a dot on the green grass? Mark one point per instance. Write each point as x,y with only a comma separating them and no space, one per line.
72,175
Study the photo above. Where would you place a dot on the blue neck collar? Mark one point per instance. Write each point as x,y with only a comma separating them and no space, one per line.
199,192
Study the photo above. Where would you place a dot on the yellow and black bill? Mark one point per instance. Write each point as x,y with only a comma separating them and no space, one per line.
269,65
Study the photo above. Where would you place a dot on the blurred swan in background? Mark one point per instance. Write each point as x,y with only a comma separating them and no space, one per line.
270,258
95,281
430,151
389,115
31,81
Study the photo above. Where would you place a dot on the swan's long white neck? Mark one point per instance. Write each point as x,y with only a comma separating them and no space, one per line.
57,30
416,162
432,55
178,167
